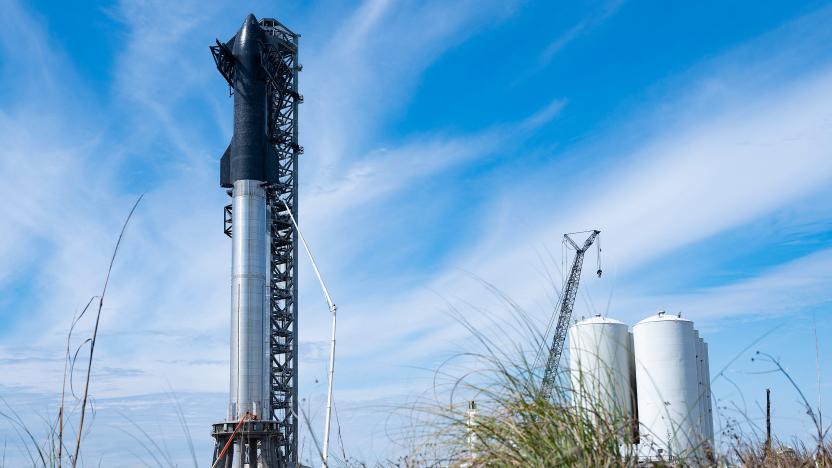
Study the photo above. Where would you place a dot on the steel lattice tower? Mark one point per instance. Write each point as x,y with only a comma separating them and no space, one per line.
262,61
283,100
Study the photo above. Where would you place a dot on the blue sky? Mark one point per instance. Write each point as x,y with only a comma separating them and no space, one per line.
445,141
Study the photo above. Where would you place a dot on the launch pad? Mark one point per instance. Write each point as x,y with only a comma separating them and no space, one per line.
257,444
260,64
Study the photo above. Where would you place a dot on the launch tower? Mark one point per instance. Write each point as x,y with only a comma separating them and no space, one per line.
259,169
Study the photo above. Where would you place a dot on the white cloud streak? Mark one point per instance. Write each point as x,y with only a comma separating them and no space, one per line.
584,26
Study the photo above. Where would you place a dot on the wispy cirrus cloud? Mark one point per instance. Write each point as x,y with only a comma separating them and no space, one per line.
584,26
797,287
367,69
686,185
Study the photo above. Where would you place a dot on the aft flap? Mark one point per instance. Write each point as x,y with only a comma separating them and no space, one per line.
225,168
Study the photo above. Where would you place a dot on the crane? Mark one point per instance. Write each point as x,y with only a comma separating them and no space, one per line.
567,303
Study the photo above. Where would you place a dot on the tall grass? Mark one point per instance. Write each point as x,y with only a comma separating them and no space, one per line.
53,451
92,341
514,423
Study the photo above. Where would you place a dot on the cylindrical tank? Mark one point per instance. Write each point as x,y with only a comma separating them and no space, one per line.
667,386
633,388
700,387
249,302
709,417
599,365
705,417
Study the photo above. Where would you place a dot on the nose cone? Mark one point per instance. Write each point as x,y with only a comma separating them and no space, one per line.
250,34
250,26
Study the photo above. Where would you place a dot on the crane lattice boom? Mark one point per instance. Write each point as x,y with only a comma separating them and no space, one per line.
567,303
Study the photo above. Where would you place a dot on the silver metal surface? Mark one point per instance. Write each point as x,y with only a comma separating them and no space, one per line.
249,302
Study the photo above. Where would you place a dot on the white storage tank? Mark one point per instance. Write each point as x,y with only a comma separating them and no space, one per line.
700,387
600,360
667,382
709,414
705,429
633,389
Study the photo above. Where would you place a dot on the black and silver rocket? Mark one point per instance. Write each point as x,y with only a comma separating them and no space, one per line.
259,64
249,155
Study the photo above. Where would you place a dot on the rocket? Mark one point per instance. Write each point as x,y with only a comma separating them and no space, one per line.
259,171
246,167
